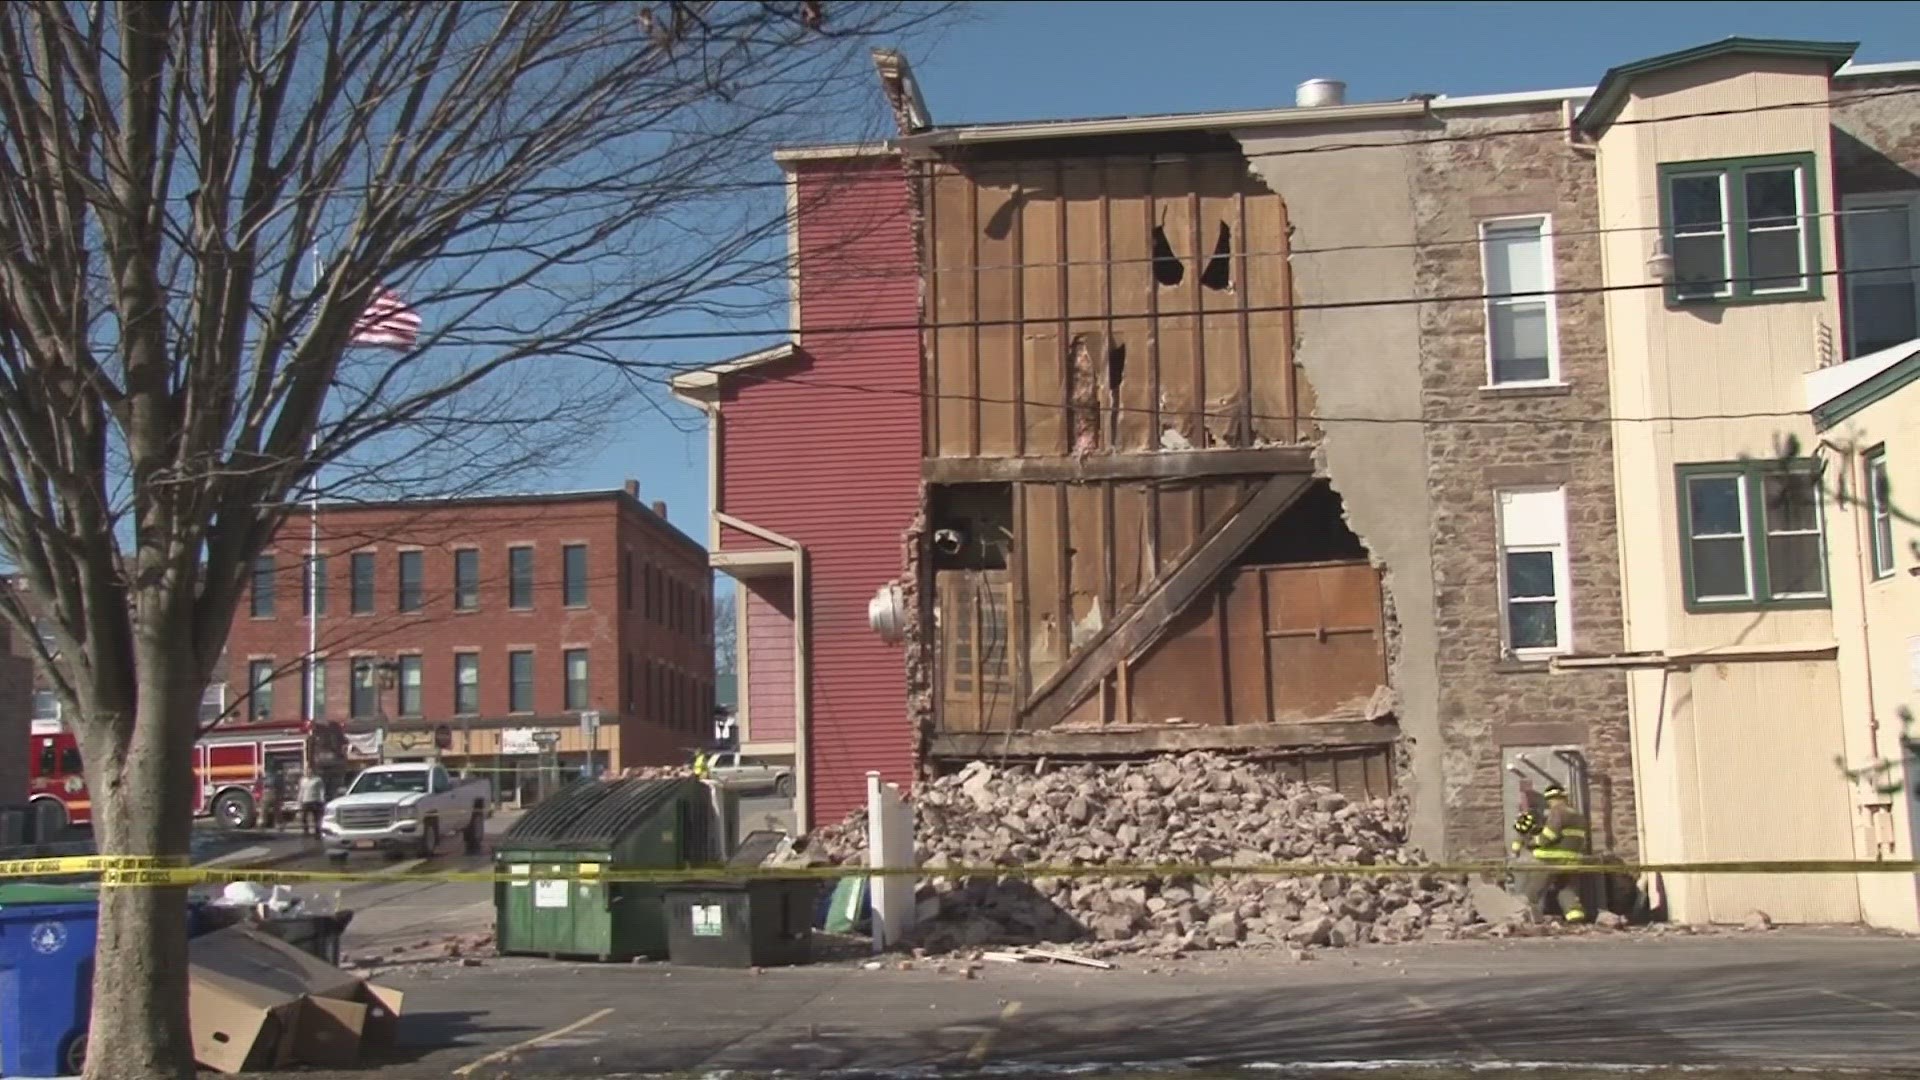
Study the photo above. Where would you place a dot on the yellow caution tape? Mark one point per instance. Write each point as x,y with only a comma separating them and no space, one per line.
84,864
520,874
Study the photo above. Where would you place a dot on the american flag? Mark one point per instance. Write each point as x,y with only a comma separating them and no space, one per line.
387,321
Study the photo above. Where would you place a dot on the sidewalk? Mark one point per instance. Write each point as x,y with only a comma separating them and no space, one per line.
1813,999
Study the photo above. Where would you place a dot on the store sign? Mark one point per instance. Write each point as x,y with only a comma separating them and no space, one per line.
520,740
706,920
406,743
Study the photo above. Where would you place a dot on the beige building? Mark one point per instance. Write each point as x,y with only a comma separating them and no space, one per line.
1867,415
1717,174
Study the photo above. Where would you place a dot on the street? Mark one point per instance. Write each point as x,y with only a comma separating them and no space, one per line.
1810,999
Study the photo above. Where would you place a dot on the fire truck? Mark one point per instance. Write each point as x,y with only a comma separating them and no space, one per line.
231,765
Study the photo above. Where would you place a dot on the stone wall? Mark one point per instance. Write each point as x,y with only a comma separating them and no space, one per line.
1480,440
1876,134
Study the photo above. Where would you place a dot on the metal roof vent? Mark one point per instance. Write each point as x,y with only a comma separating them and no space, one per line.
1315,93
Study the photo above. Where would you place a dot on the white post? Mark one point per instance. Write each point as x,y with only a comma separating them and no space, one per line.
889,846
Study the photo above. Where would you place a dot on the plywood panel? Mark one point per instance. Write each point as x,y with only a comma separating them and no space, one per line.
1178,678
1037,552
1176,524
950,222
998,229
1176,363
1042,288
1219,272
1270,327
1248,692
1085,247
1087,561
1326,649
1133,294
1132,542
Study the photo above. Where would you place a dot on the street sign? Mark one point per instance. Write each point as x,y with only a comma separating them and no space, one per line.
590,722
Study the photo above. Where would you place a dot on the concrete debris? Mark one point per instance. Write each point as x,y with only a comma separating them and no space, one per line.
1757,920
1195,809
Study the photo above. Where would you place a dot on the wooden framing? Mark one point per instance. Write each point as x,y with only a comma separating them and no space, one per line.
1170,465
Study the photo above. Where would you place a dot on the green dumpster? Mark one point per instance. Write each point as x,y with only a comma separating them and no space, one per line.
584,831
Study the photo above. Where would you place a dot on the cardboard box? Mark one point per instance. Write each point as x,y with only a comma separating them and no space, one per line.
256,1002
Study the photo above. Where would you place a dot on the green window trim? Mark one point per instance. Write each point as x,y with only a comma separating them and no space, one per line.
1733,213
1752,474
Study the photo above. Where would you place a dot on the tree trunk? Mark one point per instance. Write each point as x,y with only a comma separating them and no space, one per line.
142,805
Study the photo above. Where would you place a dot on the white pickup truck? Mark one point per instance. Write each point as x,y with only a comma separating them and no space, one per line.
404,808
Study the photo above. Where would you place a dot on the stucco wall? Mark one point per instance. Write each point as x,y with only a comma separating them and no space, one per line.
1353,225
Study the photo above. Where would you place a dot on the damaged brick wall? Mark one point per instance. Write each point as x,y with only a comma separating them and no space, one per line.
1876,140
1481,440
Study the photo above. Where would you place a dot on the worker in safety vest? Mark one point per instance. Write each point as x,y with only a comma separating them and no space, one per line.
1555,840
700,764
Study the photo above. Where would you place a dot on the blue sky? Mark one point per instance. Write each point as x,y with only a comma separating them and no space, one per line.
1044,60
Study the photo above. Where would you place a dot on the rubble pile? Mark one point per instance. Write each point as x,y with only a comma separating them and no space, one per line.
1191,809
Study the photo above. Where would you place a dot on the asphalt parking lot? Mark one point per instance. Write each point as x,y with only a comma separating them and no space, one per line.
1811,999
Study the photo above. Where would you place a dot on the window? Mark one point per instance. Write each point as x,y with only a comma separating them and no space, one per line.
520,577
364,698
1534,579
361,567
313,586
573,575
576,663
46,705
1752,536
466,579
1742,229
213,703
260,690
410,686
261,603
652,597
630,690
466,683
1879,513
49,639
410,580
1517,257
313,688
520,682
1881,244
626,580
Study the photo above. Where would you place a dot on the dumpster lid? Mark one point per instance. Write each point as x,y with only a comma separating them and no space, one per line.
590,815
35,892
757,848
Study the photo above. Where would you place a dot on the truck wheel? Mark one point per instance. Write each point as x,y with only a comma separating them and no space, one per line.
234,810
783,787
49,819
430,839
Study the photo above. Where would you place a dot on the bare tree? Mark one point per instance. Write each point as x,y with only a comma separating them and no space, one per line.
726,632
202,202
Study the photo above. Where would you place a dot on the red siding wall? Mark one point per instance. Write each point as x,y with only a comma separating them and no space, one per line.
836,467
769,649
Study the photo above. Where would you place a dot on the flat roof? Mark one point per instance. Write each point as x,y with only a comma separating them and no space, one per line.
507,499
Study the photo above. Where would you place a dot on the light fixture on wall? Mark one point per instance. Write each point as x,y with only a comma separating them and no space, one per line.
1660,261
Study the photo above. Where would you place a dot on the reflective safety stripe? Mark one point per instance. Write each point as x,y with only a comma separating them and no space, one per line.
1555,855
1574,830
1549,834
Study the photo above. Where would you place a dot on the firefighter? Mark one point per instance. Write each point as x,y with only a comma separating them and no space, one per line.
1555,841
700,764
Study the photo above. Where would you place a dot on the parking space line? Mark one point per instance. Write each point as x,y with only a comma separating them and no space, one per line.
1459,1032
528,1044
1881,1005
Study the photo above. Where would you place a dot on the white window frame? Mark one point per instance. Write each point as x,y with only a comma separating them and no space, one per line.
1799,228
1726,231
51,697
1880,557
1548,283
1869,201
1746,536
1818,532
1562,549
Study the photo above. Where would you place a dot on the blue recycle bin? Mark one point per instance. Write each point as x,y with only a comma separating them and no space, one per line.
46,987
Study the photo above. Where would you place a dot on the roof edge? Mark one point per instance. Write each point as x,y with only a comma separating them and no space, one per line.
707,378
1837,392
935,138
787,155
1611,94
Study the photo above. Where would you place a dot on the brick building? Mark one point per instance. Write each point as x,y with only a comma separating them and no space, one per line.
466,626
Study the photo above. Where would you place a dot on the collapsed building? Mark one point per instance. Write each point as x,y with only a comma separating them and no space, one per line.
1307,435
